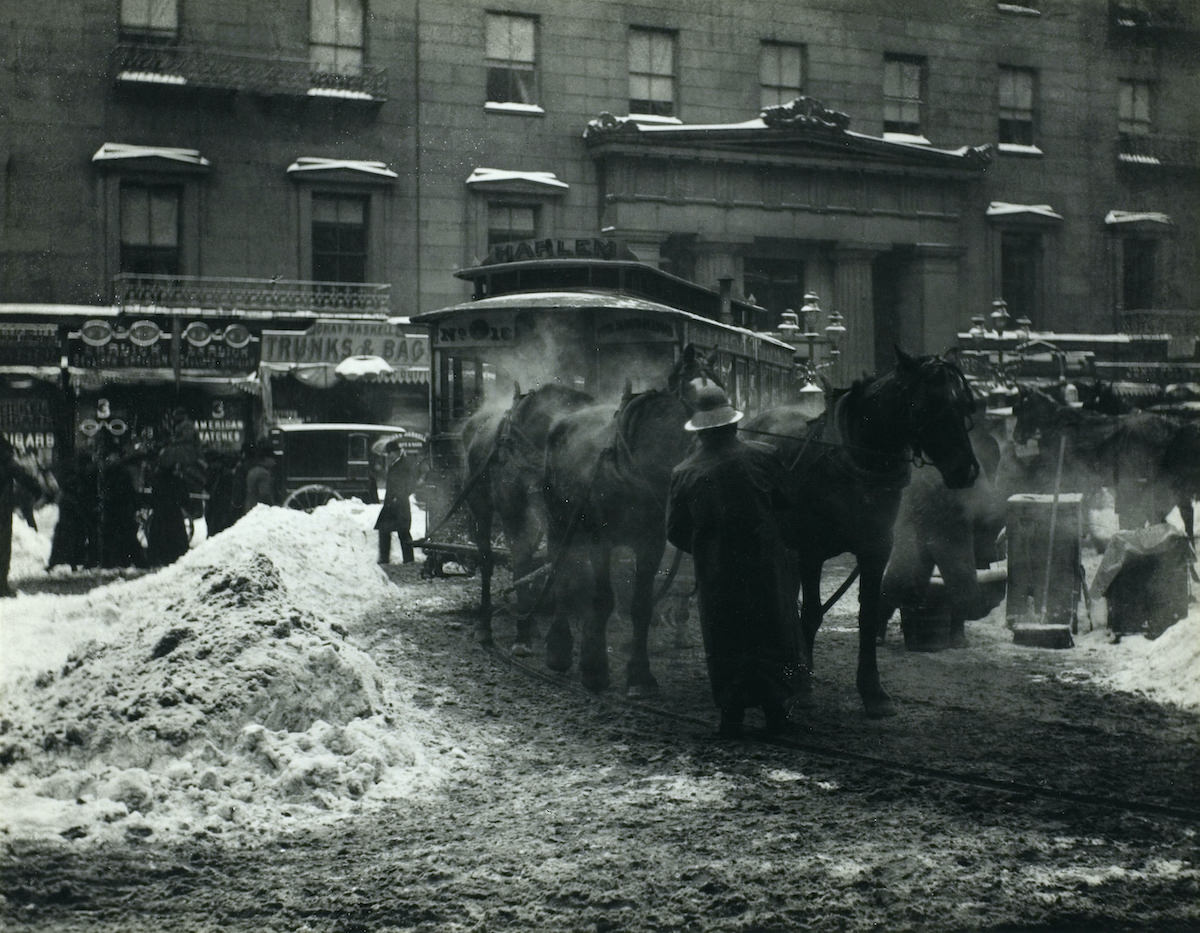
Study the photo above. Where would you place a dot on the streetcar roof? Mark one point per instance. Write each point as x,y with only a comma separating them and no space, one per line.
594,299
349,427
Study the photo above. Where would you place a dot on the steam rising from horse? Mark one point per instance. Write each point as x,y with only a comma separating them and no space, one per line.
607,479
847,469
504,465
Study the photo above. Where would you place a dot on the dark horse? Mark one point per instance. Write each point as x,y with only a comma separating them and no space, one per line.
1152,461
607,479
847,469
505,453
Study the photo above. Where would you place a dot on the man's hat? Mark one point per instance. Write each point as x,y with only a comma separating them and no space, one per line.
712,410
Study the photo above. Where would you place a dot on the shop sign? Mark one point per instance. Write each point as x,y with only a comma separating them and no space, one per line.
636,328
121,354
476,330
29,345
226,433
28,424
589,248
334,341
217,357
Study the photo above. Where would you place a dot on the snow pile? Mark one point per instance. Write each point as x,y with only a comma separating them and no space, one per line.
220,686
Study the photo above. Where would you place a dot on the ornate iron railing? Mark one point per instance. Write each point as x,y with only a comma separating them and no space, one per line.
1167,151
1177,323
211,69
238,296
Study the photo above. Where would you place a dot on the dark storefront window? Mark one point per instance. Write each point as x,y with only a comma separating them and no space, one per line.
1020,273
775,284
339,238
652,72
1138,274
150,229
511,51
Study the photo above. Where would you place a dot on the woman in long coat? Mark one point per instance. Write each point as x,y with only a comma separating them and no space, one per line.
724,501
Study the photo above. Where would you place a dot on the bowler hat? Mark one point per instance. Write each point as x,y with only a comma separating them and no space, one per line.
712,410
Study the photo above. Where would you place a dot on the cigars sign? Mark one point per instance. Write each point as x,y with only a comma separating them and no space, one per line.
332,342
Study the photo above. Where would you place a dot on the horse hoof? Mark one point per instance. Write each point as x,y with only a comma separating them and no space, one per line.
484,638
880,707
521,649
558,663
596,681
642,691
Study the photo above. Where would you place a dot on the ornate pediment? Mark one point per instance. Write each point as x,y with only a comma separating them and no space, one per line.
804,112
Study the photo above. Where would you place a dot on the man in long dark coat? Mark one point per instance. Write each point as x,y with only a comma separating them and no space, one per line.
12,475
396,514
723,507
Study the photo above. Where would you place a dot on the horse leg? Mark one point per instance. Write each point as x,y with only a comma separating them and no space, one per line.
648,556
483,544
874,697
593,646
559,643
522,537
810,607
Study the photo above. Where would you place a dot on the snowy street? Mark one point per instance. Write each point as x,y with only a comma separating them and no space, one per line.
276,733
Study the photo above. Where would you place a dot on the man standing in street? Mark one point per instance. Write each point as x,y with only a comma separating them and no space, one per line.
723,509
12,474
396,513
260,478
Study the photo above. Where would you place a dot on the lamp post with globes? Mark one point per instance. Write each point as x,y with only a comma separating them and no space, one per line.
810,364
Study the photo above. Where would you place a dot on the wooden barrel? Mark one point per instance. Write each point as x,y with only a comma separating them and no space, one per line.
1031,554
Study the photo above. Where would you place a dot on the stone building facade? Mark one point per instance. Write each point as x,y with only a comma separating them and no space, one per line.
909,163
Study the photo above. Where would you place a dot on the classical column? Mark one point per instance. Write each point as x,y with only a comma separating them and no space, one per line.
939,297
854,296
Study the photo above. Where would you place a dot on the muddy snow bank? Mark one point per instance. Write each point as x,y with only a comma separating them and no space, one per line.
221,686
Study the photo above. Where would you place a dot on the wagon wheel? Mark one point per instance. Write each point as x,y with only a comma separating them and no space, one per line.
311,496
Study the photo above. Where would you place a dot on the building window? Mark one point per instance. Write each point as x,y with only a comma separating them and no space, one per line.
511,51
1020,273
780,73
652,72
336,36
507,223
1133,109
1138,262
1016,106
149,19
776,285
150,229
339,238
903,87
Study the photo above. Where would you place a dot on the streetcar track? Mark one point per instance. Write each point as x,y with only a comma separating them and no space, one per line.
943,775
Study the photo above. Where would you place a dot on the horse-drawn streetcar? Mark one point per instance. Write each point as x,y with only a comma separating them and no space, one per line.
585,316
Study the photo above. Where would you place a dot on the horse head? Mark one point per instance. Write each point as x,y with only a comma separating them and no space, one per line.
1034,411
940,405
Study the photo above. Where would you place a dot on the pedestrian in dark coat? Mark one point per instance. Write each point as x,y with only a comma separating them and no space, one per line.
119,545
396,514
166,531
260,477
12,475
75,541
723,509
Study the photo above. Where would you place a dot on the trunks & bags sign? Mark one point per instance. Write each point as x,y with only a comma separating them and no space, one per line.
331,342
